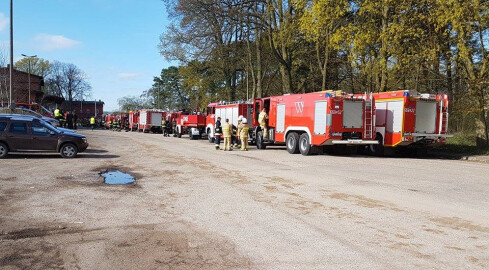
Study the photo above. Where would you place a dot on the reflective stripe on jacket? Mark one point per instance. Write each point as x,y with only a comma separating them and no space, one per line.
226,130
244,131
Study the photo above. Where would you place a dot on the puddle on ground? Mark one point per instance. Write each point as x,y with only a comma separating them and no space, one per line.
117,177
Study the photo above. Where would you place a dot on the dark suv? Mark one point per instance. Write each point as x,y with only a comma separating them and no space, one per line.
20,133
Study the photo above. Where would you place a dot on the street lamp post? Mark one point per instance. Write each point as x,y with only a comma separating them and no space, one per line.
11,51
29,75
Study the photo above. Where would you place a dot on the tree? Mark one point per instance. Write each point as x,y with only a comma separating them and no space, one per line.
322,23
470,20
133,103
168,91
68,81
38,67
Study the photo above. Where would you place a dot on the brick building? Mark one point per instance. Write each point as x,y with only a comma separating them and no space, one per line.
20,86
84,109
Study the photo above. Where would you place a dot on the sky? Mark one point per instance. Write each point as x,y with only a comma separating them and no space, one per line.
113,41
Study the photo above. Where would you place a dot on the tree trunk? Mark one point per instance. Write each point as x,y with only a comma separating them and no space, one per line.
383,50
259,76
323,64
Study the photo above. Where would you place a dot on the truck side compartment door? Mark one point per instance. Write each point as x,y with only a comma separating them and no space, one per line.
320,111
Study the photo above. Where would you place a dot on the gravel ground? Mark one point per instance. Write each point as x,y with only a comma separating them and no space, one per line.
193,207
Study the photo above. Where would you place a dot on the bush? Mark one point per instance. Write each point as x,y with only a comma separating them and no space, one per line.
462,143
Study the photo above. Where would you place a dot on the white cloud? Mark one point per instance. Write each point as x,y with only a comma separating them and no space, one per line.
47,42
4,21
128,75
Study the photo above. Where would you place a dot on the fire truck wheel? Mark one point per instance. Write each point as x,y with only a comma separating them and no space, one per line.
209,137
377,149
259,141
293,143
304,145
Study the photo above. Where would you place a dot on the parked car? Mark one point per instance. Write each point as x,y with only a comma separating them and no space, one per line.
25,111
19,133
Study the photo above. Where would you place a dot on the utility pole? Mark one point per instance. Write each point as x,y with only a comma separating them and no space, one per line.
11,105
29,75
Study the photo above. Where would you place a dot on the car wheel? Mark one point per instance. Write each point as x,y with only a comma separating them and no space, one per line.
3,150
304,145
68,150
293,143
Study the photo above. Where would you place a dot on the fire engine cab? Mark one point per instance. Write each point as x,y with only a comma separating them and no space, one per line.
307,122
191,124
407,118
226,110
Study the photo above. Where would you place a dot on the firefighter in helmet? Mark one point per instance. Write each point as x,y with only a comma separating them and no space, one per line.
262,120
244,134
238,132
218,132
163,127
226,133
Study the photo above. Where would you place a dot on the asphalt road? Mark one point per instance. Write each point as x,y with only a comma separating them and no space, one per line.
193,207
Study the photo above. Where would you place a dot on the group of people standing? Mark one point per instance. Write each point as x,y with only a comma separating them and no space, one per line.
66,119
69,119
233,136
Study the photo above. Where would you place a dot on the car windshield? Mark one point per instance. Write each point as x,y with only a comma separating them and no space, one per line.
49,126
34,113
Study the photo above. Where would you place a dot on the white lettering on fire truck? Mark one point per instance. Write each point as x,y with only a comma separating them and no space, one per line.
336,112
185,119
410,110
299,107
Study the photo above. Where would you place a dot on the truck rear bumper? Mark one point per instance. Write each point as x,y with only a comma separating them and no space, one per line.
355,142
429,135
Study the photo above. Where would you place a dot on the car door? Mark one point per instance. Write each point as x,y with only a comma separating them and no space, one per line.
43,138
18,137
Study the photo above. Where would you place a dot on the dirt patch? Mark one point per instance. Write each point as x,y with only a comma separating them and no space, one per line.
35,255
13,178
410,249
362,201
459,224
454,248
188,249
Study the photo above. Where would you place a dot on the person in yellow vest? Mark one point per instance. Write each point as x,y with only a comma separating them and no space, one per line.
92,122
226,132
244,134
57,114
262,120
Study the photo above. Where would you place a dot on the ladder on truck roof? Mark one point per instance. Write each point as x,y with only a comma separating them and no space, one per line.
369,117
444,120
233,102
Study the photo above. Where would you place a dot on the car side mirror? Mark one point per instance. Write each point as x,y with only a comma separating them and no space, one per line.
52,133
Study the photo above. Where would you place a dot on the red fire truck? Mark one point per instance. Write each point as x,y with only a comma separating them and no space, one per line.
407,118
226,110
133,120
109,118
191,124
307,122
150,120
